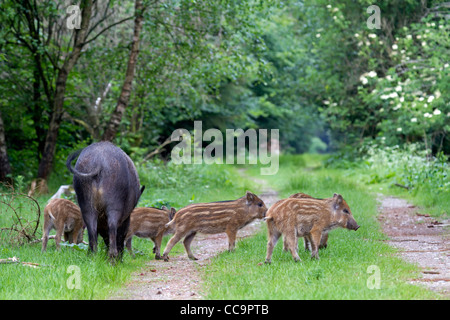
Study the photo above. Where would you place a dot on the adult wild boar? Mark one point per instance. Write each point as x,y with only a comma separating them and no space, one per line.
107,187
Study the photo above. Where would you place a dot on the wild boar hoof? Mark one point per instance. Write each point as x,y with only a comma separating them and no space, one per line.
158,257
268,262
166,258
193,258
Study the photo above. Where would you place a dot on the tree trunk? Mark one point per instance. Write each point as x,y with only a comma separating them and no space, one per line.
5,167
122,103
45,166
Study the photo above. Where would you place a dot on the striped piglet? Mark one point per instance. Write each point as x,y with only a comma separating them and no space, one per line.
212,218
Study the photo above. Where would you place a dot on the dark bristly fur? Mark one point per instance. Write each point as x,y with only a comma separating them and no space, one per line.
214,217
306,217
149,223
64,216
107,187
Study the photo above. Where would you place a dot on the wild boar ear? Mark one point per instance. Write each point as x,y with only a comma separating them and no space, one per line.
337,200
250,197
164,208
172,213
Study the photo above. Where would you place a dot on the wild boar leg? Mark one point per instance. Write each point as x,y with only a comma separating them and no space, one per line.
80,234
44,242
173,241
292,243
59,233
154,245
307,242
285,245
128,245
116,232
323,240
231,233
273,236
187,245
77,234
157,248
47,227
315,236
112,226
122,231
91,224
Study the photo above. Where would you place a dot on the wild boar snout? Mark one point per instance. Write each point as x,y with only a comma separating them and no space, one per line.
352,224
262,211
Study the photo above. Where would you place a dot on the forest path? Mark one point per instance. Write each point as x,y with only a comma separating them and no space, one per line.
421,240
180,278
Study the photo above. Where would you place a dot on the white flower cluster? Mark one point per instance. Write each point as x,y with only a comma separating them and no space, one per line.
370,74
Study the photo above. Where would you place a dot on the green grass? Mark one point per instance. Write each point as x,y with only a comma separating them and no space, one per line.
49,281
342,271
172,185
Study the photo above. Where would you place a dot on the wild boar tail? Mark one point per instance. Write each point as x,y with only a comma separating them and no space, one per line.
169,225
51,216
70,158
268,219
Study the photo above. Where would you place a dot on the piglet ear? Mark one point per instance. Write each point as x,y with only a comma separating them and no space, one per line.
164,208
172,213
337,199
250,197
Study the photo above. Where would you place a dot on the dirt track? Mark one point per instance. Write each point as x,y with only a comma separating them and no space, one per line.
422,240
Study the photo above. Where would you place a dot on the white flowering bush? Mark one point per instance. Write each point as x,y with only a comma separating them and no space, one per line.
411,102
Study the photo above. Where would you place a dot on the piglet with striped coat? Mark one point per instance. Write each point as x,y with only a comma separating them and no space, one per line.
212,218
306,217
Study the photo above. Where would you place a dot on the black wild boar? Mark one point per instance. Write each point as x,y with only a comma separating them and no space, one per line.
107,187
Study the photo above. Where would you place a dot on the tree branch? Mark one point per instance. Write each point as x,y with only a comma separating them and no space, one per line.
107,28
157,150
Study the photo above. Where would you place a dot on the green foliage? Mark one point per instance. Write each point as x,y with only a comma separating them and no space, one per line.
408,170
409,166
312,69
